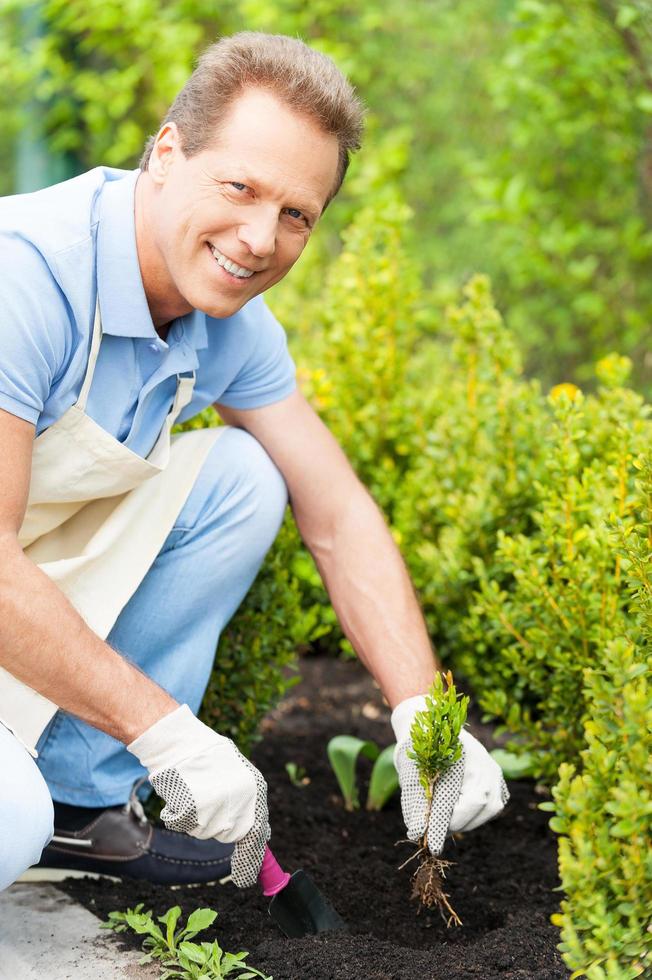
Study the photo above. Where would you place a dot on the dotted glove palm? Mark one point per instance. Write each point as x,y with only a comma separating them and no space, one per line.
209,788
470,793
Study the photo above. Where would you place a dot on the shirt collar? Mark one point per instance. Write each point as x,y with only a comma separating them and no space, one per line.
192,328
123,303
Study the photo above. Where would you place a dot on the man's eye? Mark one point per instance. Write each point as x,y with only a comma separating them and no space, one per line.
295,213
238,186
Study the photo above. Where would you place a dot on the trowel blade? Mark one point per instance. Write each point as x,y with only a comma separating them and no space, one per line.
300,909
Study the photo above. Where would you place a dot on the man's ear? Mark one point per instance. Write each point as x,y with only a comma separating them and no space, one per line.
166,145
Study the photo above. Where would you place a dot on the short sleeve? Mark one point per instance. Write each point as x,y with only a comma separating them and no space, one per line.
33,321
268,374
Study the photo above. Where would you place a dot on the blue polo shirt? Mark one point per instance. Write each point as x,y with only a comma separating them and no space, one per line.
58,248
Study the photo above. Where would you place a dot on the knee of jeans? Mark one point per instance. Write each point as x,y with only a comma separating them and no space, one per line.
26,826
255,471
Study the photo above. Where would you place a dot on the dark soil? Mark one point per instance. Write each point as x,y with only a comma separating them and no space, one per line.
501,884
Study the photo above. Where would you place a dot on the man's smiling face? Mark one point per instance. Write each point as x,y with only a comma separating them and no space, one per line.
224,225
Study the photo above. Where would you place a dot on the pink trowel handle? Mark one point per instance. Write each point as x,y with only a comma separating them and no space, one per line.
272,878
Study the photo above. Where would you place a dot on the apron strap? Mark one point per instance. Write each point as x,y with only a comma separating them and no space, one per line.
183,397
92,358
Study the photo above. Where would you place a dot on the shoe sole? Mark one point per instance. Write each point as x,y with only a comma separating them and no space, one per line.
58,874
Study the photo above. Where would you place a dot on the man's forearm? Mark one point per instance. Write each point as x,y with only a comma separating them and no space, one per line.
372,595
46,644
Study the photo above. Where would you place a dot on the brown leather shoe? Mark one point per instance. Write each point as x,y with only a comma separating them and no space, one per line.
122,843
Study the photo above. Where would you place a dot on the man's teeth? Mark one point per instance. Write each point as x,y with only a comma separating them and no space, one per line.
235,270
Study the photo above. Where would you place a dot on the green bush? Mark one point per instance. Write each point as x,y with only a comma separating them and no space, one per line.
368,328
474,472
604,815
552,599
503,514
256,658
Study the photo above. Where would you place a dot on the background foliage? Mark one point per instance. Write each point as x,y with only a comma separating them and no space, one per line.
518,131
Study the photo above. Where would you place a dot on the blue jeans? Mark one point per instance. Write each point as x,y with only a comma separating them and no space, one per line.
171,625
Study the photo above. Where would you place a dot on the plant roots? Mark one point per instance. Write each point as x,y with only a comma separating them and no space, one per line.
428,888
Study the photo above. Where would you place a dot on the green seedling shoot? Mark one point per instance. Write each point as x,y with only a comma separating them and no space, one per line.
297,774
435,735
384,780
343,754
179,957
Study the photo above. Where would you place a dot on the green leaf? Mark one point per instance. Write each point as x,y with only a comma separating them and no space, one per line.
199,920
384,780
144,925
623,828
193,951
513,766
558,824
343,752
170,920
233,961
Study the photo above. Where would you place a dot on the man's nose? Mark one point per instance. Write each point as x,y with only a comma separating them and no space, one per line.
258,233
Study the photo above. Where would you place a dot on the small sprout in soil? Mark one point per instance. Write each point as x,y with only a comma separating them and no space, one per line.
435,739
384,780
297,774
343,754
179,958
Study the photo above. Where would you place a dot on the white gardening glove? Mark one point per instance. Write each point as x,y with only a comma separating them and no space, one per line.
470,793
209,788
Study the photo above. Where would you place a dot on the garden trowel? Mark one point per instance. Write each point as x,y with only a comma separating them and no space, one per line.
297,907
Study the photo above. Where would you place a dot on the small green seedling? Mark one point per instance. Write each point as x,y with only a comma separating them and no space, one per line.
435,735
179,957
297,774
384,780
343,754
208,960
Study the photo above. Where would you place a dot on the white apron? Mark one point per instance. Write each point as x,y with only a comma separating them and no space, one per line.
97,517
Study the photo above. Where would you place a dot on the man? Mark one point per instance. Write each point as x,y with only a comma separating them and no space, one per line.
131,300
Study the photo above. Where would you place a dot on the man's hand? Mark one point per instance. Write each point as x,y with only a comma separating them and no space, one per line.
470,793
209,788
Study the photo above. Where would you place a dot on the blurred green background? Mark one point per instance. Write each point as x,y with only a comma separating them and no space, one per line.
518,132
